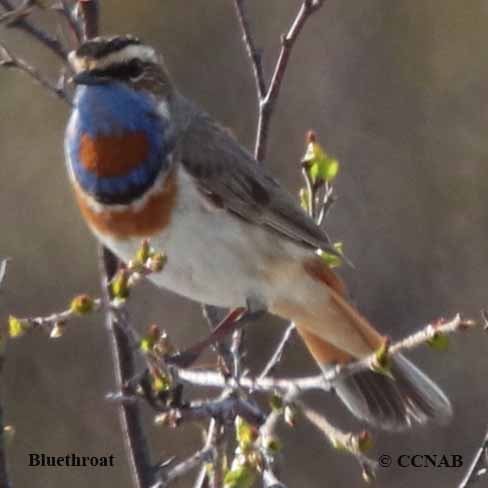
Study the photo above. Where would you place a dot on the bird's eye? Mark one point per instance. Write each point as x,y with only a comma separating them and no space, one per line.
135,69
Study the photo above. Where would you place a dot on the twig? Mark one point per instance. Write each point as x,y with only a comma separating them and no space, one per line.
253,52
278,354
214,477
236,352
40,35
328,201
484,317
124,364
423,336
223,409
270,480
89,11
267,97
214,316
4,478
7,60
232,320
21,11
348,442
311,193
65,10
268,103
204,475
479,467
322,381
59,319
3,269
204,455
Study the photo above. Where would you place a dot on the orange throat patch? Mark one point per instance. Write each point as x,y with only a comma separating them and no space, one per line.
109,156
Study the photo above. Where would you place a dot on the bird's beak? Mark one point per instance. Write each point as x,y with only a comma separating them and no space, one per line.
89,78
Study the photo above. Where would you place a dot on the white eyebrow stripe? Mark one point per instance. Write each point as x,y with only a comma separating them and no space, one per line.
144,53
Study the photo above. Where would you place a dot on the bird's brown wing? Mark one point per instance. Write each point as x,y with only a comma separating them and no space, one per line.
225,170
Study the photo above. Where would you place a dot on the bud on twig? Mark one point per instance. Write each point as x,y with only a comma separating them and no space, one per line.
82,305
382,361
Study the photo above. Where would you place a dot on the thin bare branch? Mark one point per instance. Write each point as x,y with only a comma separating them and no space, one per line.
278,354
224,409
58,319
64,9
7,60
21,11
212,478
203,456
328,201
214,316
230,322
351,443
22,23
89,12
267,96
125,369
479,466
268,102
484,317
253,52
322,381
4,478
270,480
3,269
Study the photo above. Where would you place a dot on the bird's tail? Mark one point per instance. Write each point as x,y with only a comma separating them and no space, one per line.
390,403
335,333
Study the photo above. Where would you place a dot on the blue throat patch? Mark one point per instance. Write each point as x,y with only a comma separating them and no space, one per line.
110,129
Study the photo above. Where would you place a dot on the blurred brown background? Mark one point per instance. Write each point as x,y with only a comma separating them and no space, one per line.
396,91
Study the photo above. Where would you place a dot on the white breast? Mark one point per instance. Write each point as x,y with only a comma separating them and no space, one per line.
214,256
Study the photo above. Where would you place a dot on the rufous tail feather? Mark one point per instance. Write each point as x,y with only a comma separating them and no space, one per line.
336,333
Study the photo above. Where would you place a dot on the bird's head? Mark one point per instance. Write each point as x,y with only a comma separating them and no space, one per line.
120,59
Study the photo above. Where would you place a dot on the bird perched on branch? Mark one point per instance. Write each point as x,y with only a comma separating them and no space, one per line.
145,162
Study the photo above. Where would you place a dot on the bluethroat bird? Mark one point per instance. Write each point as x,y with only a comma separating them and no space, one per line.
146,162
